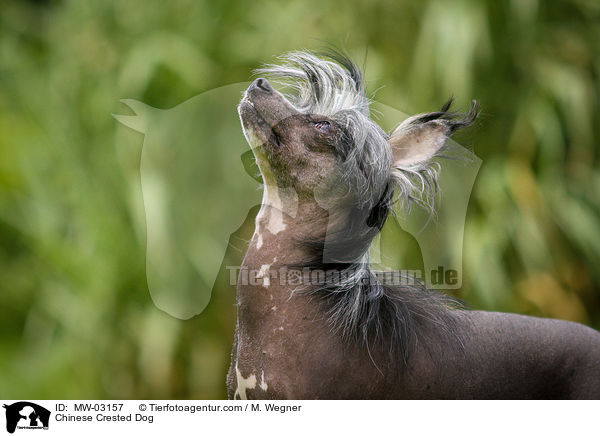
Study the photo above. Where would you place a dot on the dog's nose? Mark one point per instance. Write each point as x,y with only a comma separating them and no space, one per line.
262,84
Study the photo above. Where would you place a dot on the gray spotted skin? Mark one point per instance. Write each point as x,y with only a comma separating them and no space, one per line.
330,176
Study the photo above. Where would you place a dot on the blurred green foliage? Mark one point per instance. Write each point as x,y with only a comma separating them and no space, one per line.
76,318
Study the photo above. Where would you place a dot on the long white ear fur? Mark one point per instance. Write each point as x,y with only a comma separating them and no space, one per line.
415,143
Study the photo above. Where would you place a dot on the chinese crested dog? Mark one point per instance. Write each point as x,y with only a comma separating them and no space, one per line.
331,175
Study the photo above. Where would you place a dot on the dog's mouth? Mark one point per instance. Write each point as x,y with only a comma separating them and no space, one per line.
253,120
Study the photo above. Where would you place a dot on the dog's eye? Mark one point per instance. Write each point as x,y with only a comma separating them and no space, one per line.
323,126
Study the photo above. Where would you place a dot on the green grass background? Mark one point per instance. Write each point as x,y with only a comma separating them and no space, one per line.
76,319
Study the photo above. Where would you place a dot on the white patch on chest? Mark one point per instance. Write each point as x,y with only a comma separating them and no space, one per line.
277,201
244,383
280,200
263,273
263,385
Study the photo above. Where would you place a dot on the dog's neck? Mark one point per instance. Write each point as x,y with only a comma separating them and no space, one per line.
283,221
266,310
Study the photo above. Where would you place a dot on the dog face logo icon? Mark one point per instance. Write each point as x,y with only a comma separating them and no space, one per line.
26,415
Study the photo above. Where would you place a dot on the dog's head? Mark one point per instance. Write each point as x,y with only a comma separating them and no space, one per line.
320,140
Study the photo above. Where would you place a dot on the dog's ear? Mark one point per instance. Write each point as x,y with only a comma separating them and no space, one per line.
421,137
